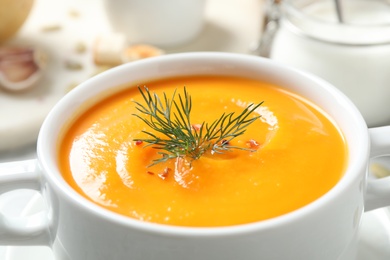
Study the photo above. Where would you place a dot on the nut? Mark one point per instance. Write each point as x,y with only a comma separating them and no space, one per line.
113,50
140,51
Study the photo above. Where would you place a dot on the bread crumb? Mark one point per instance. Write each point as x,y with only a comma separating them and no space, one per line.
379,170
74,13
73,65
80,47
51,27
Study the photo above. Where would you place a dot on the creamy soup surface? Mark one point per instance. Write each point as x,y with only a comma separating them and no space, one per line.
297,155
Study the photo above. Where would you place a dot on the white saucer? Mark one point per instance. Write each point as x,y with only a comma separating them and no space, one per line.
374,241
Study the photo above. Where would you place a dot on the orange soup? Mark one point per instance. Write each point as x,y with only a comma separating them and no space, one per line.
292,154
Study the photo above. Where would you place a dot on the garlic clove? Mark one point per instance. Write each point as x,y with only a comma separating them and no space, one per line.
20,67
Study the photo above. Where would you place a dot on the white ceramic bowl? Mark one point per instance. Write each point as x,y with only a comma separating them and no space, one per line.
78,229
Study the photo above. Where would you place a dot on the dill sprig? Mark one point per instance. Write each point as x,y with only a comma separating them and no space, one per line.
177,136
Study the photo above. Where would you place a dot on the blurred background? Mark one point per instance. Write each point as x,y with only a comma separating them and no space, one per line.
64,42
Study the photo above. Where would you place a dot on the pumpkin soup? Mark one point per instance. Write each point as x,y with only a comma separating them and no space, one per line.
290,155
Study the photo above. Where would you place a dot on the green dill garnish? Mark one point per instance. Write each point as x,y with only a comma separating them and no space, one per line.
177,136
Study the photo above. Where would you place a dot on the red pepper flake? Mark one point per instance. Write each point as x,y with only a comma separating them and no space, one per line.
225,142
138,142
163,175
253,144
151,173
196,127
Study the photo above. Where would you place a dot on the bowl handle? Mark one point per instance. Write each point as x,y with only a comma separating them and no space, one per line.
378,190
31,230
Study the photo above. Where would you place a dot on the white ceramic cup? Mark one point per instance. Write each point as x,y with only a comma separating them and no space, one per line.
353,56
167,23
78,229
